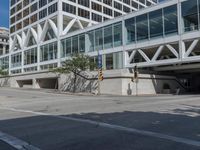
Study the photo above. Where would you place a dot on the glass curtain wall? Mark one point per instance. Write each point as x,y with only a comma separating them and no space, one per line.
151,25
72,45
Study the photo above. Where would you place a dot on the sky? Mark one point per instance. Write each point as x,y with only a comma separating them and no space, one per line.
4,13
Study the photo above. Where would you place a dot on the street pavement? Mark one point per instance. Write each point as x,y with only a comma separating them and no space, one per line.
47,120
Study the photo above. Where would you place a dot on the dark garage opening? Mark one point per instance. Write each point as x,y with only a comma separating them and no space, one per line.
25,83
48,83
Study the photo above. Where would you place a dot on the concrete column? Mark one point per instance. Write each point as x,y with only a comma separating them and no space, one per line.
35,84
4,49
59,32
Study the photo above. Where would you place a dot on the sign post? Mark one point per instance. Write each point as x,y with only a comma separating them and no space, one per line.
100,73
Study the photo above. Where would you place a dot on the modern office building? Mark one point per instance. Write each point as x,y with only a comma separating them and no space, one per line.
4,48
38,24
162,40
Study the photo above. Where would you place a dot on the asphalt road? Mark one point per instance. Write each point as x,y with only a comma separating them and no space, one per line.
46,120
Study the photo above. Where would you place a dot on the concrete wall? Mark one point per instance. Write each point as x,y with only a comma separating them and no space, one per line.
116,82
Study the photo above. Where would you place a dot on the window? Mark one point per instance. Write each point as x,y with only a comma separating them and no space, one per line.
142,27
69,8
190,15
66,47
91,40
75,44
83,13
52,8
16,60
170,20
43,13
30,56
4,62
98,39
108,39
42,3
130,30
84,3
117,34
82,43
96,7
156,23
107,11
33,7
96,17
48,52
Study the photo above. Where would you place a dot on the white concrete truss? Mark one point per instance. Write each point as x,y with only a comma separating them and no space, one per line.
149,56
177,52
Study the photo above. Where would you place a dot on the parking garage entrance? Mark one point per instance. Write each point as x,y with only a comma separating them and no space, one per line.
25,83
47,83
188,76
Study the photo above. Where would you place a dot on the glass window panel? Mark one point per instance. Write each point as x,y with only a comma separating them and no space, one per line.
130,30
170,19
189,15
55,50
109,61
45,53
98,39
156,23
50,54
82,43
142,27
117,34
108,38
75,44
91,41
68,50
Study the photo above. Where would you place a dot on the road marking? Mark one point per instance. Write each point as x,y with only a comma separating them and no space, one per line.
115,127
16,143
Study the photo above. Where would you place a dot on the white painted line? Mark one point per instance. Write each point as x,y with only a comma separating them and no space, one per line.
115,127
16,143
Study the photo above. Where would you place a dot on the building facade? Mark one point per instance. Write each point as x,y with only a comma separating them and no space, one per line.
36,27
159,38
4,48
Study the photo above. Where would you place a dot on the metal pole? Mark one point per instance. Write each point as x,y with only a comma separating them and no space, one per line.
99,88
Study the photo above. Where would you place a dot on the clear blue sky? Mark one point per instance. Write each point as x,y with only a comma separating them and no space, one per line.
4,13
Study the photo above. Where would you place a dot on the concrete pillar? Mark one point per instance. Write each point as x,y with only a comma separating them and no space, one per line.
35,84
4,49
